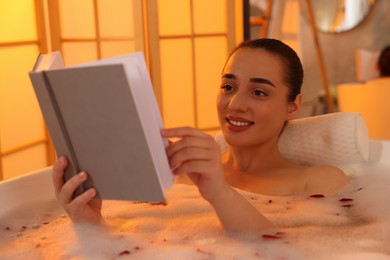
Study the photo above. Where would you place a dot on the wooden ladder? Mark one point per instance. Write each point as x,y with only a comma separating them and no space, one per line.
263,20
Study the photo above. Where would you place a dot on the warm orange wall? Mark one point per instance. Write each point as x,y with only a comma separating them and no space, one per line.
21,121
192,47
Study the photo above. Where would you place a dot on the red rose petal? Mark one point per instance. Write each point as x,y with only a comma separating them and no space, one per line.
125,252
317,196
345,199
268,236
158,203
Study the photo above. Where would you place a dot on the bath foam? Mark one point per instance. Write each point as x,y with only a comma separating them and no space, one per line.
352,225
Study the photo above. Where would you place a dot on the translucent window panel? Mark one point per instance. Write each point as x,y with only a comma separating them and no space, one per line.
116,18
115,48
79,52
290,18
239,21
21,119
210,16
17,20
77,19
177,82
174,17
33,158
210,56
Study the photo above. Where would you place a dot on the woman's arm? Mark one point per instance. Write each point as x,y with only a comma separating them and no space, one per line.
82,209
236,213
199,156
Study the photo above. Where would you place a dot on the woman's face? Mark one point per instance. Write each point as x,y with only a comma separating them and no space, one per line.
252,102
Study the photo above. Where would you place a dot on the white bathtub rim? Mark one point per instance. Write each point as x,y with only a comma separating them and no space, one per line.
25,189
37,185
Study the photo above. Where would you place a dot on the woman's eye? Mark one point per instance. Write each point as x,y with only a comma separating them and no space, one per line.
226,88
259,93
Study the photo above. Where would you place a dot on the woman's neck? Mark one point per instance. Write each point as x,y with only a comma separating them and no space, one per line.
255,159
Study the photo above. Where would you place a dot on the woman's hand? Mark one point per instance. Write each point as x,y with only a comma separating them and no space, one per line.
198,155
82,209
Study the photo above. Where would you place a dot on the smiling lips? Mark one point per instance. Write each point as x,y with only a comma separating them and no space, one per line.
238,124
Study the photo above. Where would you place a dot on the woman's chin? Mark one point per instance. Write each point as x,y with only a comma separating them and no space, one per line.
236,141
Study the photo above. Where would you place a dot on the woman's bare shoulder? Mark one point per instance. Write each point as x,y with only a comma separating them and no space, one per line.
326,180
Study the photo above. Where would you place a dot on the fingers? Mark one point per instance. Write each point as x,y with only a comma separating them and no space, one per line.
182,132
186,142
198,155
188,137
80,201
67,190
193,145
58,174
195,151
64,190
193,167
83,208
187,154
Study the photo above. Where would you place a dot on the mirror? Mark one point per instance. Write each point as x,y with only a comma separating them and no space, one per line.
335,16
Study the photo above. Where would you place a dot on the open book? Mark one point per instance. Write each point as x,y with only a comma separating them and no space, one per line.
103,116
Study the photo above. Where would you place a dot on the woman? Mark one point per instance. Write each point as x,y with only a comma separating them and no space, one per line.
259,93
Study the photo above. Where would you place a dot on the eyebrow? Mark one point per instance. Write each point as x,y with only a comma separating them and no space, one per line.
255,80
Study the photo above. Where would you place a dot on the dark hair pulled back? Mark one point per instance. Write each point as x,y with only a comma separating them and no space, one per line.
293,69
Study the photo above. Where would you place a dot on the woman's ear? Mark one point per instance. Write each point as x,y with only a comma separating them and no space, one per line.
294,106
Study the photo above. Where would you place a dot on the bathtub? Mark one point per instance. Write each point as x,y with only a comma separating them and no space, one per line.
351,225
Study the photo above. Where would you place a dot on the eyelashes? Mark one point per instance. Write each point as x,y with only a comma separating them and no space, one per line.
259,93
227,88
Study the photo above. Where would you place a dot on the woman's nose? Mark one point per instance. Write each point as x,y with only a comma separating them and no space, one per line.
238,103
